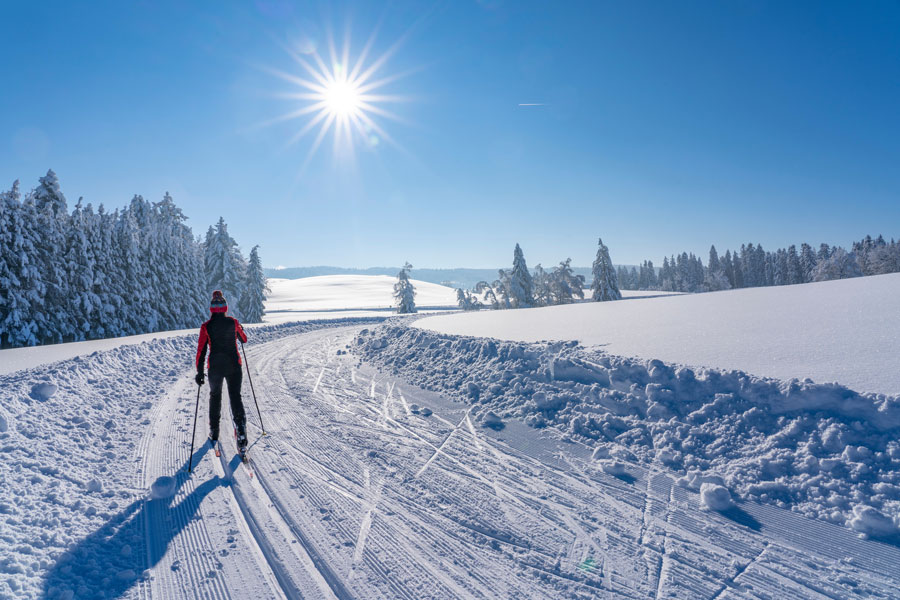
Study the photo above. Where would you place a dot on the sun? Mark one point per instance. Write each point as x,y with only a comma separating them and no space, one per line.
340,96
342,99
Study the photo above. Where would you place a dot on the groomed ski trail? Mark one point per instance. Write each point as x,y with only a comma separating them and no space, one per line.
357,495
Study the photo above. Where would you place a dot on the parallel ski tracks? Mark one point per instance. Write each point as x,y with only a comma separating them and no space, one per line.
189,563
323,508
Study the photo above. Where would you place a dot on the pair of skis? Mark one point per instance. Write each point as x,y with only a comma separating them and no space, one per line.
245,458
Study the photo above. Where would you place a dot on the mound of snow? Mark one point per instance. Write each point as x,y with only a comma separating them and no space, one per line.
292,297
490,419
846,331
715,497
4,423
872,522
613,467
163,487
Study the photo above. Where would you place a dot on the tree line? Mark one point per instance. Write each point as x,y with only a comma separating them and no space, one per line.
521,288
93,274
753,266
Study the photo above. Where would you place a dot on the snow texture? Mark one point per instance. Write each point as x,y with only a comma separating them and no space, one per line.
846,331
820,449
715,497
68,493
356,495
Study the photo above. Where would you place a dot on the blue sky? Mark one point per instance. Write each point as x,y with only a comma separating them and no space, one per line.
664,127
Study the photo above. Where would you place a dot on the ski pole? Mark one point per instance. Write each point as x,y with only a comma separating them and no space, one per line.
194,430
251,388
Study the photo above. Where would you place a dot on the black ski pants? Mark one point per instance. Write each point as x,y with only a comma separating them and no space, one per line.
224,369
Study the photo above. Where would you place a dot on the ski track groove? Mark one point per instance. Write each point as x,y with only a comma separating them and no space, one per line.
436,540
313,494
191,549
729,583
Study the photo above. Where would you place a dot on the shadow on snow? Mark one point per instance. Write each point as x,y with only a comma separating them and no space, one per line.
110,561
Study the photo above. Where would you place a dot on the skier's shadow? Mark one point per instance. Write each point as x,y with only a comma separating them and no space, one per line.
108,562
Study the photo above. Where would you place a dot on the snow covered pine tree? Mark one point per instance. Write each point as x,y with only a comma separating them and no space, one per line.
605,286
404,292
521,285
252,307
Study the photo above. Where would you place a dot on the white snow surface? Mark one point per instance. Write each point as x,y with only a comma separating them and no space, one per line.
820,449
291,299
846,331
370,487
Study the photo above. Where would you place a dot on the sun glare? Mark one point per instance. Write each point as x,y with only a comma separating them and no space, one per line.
340,96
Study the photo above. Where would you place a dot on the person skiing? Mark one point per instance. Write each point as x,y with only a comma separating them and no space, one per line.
220,334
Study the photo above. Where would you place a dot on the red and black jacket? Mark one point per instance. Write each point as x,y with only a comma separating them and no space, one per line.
220,333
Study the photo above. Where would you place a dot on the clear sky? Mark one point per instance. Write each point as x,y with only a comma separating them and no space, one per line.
661,127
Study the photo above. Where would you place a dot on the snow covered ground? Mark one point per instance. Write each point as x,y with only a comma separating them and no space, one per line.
291,300
404,463
352,295
846,331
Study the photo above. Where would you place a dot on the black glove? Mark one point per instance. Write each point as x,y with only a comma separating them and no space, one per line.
199,378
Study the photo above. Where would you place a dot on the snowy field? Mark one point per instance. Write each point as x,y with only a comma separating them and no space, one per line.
406,463
846,331
291,300
351,295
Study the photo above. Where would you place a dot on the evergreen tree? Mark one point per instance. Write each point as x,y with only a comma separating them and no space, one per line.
652,282
541,284
565,285
521,285
713,264
83,303
52,222
738,271
131,282
886,259
255,288
794,268
404,292
9,282
715,278
840,264
225,268
604,287
807,262
728,269
109,278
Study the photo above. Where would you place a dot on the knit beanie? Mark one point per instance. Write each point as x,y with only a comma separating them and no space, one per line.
218,303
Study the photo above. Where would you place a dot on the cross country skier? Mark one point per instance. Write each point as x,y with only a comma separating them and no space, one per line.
220,333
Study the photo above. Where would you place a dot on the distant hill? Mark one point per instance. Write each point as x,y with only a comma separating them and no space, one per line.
465,278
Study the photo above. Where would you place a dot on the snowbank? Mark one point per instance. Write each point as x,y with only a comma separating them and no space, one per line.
846,331
820,449
291,298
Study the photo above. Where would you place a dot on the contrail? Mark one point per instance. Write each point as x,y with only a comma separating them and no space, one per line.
532,104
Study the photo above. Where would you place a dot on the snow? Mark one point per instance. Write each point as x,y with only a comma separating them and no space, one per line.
403,463
818,449
715,497
291,299
846,331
